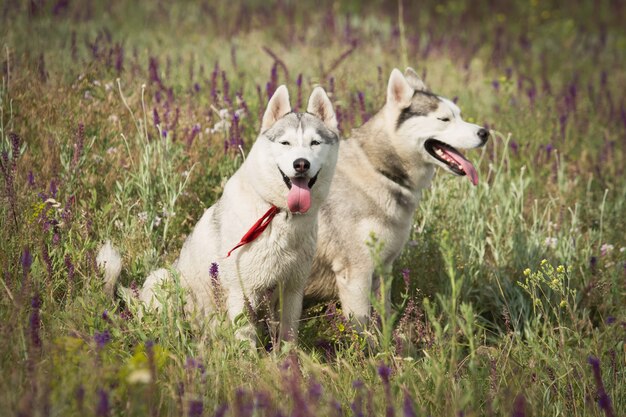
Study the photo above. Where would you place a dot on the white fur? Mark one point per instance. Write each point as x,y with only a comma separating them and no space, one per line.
280,258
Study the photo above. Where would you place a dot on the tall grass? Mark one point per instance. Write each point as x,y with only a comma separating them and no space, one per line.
124,122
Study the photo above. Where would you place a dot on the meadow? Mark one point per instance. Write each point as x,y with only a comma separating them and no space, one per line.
123,120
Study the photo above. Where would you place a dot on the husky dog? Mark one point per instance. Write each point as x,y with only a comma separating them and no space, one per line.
286,175
381,171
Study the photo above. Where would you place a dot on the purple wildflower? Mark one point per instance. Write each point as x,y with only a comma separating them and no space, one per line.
70,273
45,255
496,85
364,115
196,408
610,320
153,69
407,406
103,410
26,260
53,188
155,117
119,58
214,74
604,401
406,277
195,130
35,320
384,372
31,179
519,406
102,338
214,270
105,316
357,403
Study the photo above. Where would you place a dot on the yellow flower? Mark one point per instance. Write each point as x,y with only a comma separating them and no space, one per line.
543,262
560,269
555,282
527,272
563,304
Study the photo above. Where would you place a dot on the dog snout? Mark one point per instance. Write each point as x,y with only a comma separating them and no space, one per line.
301,165
483,135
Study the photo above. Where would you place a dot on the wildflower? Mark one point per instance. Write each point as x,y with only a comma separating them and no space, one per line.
102,338
27,261
196,408
555,282
551,242
407,405
103,404
214,270
406,272
604,401
384,372
519,406
560,269
527,272
35,320
563,304
544,262
606,248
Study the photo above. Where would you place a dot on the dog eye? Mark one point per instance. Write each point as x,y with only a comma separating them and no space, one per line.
444,119
284,142
315,143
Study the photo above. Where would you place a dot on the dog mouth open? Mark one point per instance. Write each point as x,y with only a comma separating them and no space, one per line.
452,159
299,196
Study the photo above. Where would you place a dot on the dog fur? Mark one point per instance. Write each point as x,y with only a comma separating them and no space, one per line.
292,150
381,172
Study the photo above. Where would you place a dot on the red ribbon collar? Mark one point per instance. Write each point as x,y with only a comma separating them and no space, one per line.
257,228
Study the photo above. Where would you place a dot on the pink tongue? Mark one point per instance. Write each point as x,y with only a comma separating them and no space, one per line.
299,197
469,169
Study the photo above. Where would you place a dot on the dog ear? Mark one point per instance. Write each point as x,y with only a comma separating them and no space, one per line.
277,107
414,80
399,91
320,106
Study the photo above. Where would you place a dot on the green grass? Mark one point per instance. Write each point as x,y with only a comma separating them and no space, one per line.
513,288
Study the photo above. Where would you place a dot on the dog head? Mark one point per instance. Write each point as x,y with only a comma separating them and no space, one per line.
302,148
428,126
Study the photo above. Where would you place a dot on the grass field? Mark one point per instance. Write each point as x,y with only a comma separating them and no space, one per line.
123,120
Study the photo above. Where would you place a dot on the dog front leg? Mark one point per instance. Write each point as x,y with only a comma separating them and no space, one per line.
354,289
291,299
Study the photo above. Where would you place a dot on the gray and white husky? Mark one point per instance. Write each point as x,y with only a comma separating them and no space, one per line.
381,171
261,234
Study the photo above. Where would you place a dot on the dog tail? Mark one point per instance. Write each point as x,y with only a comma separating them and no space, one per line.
110,261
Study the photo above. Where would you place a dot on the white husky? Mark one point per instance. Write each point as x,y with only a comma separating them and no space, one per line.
261,234
381,171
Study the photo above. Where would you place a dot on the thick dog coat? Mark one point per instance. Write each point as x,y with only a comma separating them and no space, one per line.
287,175
381,171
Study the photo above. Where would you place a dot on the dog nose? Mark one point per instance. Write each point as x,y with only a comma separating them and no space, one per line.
301,165
483,135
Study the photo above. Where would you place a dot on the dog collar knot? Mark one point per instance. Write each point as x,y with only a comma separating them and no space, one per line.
257,228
